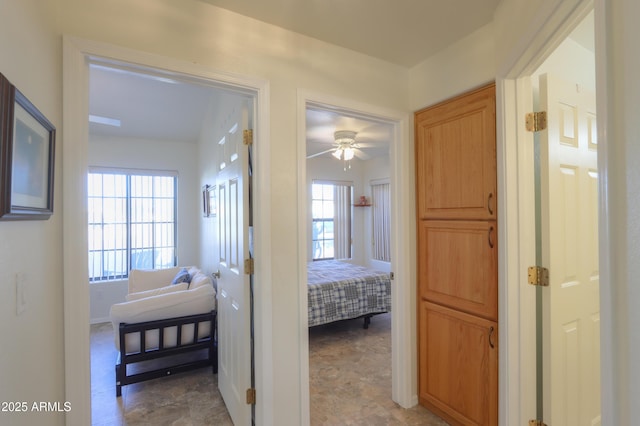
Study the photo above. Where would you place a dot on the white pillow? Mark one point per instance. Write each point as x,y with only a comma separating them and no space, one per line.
199,279
156,291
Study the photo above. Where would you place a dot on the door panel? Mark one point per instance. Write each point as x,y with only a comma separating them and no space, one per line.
456,158
458,265
459,365
234,303
571,318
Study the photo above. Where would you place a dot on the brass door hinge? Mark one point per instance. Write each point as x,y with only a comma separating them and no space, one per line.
251,396
536,121
247,137
538,276
537,423
248,266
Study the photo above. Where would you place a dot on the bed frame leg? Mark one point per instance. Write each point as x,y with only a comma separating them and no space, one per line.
118,385
367,321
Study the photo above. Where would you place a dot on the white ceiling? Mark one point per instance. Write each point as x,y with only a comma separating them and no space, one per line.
400,31
148,106
404,32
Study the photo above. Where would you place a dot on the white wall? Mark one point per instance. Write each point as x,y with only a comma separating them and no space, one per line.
154,155
32,354
571,62
462,66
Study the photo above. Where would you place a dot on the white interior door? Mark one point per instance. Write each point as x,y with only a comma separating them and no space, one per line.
569,225
234,304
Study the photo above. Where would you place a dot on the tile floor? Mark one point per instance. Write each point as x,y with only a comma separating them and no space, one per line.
350,384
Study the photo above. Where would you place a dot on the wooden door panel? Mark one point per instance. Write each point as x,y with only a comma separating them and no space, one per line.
456,158
458,365
457,265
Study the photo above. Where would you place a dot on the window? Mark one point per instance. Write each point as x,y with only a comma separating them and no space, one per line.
331,216
132,222
381,221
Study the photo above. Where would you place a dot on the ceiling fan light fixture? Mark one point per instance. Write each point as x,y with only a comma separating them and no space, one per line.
345,141
345,137
348,153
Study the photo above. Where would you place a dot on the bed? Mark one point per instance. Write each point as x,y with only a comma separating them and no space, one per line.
340,291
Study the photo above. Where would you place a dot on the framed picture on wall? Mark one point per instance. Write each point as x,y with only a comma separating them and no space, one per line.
27,157
209,202
213,201
205,200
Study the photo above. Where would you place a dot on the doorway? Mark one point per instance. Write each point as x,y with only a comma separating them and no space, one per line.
568,309
403,287
77,56
516,164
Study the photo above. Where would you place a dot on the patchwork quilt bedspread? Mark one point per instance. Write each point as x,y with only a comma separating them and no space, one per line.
340,290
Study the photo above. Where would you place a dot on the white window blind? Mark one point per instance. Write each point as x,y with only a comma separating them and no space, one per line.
381,204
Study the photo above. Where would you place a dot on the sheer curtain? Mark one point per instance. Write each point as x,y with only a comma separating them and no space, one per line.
342,221
381,195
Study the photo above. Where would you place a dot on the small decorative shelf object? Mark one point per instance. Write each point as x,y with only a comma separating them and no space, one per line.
364,202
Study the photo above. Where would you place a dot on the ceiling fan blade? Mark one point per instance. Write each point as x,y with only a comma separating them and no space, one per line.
361,154
317,154
368,145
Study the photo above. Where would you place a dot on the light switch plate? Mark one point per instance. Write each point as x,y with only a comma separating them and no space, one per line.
21,293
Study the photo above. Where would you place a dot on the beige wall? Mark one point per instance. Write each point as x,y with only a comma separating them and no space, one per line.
31,358
464,65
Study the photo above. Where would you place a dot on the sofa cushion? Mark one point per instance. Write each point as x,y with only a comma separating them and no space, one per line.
157,291
147,279
168,305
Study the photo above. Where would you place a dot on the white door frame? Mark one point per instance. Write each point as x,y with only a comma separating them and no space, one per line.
403,288
77,53
516,211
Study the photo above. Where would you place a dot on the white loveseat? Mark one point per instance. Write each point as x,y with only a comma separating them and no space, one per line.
161,319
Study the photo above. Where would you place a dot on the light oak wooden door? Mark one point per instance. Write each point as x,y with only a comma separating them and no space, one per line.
456,158
459,365
234,303
569,223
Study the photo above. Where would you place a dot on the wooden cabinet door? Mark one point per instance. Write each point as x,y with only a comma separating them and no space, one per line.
456,158
457,265
458,365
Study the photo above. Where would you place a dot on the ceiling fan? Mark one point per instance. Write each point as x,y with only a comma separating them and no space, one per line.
344,147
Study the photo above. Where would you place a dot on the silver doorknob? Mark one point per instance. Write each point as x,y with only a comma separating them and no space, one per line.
216,274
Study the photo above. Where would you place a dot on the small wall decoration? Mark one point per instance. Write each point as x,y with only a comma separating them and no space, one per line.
209,202
213,201
27,157
205,200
